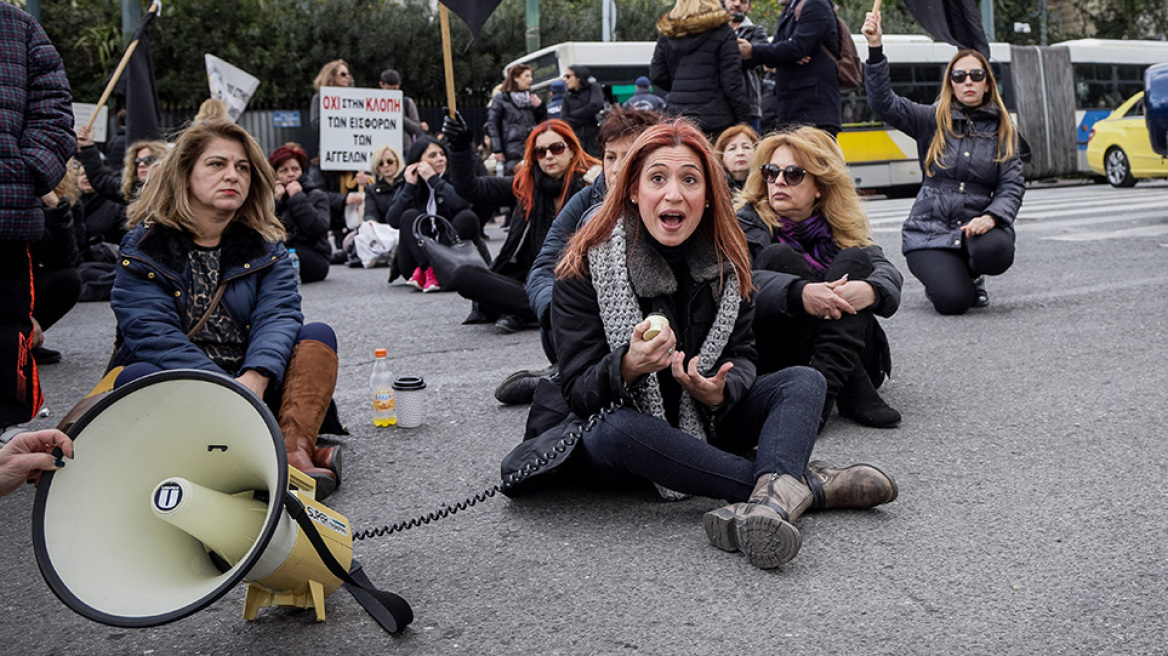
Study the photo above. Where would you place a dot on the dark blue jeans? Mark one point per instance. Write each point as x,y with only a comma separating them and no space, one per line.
780,415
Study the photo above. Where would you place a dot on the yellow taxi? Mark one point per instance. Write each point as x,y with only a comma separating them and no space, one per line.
1119,147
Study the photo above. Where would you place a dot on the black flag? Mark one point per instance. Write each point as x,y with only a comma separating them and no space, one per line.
137,86
473,12
957,22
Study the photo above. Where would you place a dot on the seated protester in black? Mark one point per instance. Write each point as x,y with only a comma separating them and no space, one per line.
821,278
303,213
427,191
114,192
735,148
683,407
538,193
101,220
55,258
387,178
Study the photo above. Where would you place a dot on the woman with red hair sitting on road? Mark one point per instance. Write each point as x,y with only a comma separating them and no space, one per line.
537,193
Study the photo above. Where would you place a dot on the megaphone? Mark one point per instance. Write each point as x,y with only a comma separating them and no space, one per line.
180,489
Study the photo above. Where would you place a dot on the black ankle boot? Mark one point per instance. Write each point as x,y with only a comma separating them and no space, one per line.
860,402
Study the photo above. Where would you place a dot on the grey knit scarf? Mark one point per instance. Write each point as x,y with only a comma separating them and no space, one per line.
622,271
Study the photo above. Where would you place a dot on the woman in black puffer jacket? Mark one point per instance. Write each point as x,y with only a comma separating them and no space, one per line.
697,62
514,111
961,227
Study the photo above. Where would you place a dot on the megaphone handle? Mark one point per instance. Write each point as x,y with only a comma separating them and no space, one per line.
391,611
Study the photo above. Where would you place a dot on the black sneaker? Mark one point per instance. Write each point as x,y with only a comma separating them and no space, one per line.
519,387
44,355
509,323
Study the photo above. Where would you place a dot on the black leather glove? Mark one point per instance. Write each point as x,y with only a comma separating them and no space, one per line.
458,134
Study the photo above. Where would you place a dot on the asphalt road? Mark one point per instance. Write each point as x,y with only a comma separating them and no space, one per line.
1030,462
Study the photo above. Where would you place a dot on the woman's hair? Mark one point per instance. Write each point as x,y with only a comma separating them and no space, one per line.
1007,133
718,226
212,109
158,149
325,77
683,8
420,146
620,123
513,74
166,200
730,133
379,155
523,184
286,152
819,154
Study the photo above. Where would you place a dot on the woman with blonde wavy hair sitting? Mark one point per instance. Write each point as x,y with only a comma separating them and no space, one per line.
822,279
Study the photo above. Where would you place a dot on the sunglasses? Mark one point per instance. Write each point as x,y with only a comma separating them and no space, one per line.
344,74
144,160
557,148
389,162
793,175
977,75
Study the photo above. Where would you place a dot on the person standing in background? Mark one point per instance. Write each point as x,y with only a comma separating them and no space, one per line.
583,102
751,75
36,121
391,81
644,99
806,78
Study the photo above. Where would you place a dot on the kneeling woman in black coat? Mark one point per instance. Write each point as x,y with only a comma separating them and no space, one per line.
822,280
303,212
680,408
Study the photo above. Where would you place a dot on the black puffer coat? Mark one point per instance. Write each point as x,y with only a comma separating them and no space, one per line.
974,184
306,220
379,196
508,125
697,62
581,107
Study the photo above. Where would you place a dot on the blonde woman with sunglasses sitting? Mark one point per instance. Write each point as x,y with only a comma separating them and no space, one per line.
821,278
961,227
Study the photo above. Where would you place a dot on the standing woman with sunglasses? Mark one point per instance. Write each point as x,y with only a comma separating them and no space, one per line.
821,278
961,227
538,194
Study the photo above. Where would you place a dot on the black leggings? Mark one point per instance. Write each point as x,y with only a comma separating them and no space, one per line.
314,267
831,347
947,273
57,292
20,393
410,255
495,293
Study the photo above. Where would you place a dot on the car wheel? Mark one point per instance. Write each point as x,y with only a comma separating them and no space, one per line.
1118,169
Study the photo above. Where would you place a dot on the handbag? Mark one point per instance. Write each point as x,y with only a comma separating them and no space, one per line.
445,250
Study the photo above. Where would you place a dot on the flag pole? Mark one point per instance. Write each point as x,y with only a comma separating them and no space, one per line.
109,88
876,7
447,58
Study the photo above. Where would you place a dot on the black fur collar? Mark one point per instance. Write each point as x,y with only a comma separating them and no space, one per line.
169,247
649,273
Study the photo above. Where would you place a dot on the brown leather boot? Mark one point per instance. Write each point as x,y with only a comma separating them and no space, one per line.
309,383
722,525
857,486
767,535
